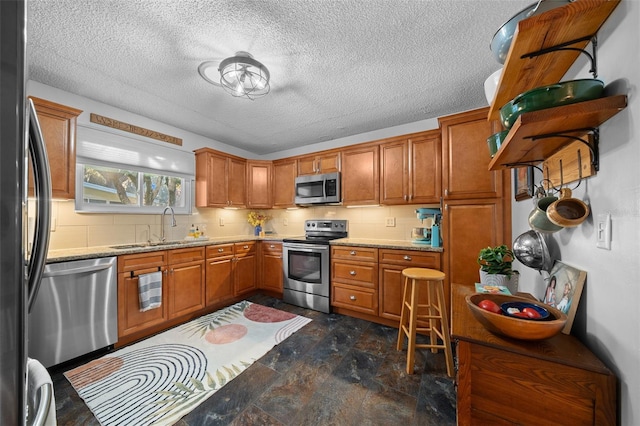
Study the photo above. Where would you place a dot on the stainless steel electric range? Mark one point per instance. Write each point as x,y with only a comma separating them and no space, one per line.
307,264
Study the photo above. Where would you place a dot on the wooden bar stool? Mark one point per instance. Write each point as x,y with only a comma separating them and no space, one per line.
436,315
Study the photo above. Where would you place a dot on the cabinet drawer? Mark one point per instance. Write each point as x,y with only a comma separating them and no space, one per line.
244,248
362,254
355,298
271,248
220,250
360,274
132,262
410,258
185,255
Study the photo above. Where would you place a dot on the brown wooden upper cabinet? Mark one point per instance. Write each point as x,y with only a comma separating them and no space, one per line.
465,156
410,169
284,176
220,179
58,126
327,162
259,184
360,176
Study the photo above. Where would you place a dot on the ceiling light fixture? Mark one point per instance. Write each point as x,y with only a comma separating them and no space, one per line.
241,76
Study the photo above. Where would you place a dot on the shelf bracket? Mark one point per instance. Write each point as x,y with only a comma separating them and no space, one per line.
563,46
524,163
593,146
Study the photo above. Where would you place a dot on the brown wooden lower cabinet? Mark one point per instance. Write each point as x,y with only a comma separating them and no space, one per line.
503,381
219,274
271,273
354,279
185,284
244,274
130,319
367,282
391,281
191,285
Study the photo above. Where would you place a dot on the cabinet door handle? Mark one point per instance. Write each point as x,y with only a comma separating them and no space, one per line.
245,247
446,192
406,257
353,253
352,297
220,250
272,246
352,273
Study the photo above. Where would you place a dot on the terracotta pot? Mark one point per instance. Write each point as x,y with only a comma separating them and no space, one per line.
567,211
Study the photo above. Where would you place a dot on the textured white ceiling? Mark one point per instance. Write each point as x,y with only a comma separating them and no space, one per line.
338,67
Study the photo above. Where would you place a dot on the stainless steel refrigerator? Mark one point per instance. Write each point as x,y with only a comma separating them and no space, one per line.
20,138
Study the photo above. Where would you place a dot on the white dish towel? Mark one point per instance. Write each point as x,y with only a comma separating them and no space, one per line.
150,290
38,376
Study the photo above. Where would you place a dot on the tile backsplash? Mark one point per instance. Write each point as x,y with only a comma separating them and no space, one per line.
75,230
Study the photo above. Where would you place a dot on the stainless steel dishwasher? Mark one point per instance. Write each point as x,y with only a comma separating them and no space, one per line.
76,310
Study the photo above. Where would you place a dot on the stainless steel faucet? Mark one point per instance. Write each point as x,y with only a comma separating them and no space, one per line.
173,222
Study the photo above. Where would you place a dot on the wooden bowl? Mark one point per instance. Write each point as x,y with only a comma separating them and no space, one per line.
516,328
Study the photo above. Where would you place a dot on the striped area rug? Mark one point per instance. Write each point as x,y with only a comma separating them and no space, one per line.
159,380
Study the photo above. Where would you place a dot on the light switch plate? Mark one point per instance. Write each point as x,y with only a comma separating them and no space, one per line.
221,221
391,221
603,231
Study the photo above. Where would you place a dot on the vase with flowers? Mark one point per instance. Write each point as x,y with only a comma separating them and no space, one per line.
257,220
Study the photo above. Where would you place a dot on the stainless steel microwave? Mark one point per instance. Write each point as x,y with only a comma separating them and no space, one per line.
318,189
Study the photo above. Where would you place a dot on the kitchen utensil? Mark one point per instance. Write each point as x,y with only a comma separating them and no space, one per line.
494,141
532,251
538,219
501,41
567,211
553,95
515,327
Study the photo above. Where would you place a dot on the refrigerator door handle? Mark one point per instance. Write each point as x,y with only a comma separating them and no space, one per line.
42,192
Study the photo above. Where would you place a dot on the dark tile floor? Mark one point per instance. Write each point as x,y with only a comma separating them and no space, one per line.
336,370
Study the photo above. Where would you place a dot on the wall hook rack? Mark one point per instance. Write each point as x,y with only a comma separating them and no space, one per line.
593,145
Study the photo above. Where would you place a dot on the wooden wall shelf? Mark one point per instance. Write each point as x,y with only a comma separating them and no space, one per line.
575,21
521,146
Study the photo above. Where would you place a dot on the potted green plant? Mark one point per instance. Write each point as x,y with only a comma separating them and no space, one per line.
495,267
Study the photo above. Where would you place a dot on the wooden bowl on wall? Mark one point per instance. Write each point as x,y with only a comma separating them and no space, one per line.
524,329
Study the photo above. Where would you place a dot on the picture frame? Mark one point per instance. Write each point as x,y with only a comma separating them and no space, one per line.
564,289
523,183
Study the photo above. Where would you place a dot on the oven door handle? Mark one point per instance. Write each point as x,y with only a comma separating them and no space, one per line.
305,247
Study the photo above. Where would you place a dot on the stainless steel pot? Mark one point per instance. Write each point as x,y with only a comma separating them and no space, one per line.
502,39
531,250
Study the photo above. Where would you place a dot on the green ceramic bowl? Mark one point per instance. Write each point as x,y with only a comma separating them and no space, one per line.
495,141
568,92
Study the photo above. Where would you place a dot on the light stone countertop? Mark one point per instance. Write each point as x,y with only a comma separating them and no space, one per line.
390,244
65,255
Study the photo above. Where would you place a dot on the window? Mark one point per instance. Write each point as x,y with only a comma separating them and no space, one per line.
113,189
118,174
